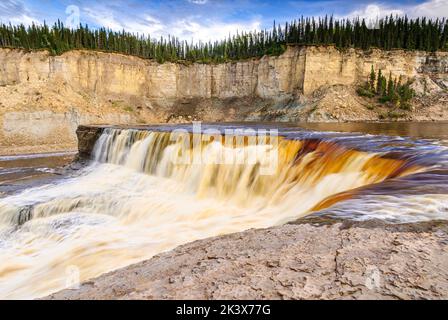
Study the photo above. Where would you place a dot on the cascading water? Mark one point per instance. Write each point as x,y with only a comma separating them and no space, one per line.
150,191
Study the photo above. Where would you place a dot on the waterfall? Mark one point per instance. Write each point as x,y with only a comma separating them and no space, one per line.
298,164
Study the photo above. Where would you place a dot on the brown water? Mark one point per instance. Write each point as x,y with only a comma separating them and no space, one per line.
22,171
149,191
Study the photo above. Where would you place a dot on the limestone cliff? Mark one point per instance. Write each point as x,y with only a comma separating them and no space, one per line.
44,98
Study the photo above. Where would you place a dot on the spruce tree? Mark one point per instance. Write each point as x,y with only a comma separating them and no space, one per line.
390,88
392,32
372,79
379,83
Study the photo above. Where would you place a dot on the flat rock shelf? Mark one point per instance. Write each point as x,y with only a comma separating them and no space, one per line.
348,260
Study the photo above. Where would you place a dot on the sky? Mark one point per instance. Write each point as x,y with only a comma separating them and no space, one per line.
203,20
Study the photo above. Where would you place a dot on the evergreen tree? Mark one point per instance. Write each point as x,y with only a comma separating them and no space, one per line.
392,32
390,88
379,83
372,79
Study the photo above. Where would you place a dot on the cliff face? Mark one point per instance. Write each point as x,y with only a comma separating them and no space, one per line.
328,66
116,74
44,98
298,70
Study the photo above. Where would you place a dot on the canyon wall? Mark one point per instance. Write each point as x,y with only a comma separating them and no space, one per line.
44,98
328,66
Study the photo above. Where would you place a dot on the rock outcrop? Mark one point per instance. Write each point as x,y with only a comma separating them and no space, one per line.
87,137
44,98
367,260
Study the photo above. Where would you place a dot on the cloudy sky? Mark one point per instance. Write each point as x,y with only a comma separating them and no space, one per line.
202,19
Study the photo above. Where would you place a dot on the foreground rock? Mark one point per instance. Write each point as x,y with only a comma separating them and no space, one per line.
302,261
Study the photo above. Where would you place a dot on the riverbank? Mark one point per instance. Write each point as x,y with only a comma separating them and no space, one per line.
337,260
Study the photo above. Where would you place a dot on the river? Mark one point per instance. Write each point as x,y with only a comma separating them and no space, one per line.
149,189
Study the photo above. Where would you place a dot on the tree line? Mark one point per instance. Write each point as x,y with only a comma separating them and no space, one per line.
388,33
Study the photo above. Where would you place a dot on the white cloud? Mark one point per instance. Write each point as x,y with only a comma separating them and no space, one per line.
190,28
373,11
24,19
211,30
15,12
103,18
198,1
145,24
431,9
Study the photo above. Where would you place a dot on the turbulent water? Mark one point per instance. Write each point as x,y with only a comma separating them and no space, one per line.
149,191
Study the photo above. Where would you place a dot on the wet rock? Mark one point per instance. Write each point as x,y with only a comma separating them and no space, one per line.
87,136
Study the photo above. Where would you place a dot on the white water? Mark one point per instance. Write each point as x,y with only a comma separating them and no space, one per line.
140,203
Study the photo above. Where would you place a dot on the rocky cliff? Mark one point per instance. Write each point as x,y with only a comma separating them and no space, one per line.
44,98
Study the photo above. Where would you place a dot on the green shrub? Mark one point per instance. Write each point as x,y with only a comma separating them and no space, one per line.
395,115
363,92
405,106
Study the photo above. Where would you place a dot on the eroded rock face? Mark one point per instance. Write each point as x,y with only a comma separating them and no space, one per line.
44,98
326,66
87,137
304,261
299,70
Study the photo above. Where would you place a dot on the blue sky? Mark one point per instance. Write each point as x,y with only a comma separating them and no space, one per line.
203,19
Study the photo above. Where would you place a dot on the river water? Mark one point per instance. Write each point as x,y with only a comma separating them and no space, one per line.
148,190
